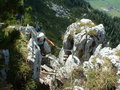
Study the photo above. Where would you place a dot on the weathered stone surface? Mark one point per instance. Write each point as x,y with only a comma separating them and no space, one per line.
77,88
83,45
82,37
104,55
71,63
60,10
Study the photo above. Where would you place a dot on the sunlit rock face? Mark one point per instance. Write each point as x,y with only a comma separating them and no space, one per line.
82,38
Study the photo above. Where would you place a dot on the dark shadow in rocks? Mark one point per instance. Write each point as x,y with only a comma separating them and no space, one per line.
69,45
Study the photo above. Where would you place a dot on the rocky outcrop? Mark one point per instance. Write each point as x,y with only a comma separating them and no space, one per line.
82,38
80,42
71,63
83,47
60,10
105,59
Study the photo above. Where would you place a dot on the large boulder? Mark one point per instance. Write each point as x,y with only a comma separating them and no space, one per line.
81,39
71,63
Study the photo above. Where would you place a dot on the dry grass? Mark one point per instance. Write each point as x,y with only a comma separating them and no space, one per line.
21,46
94,59
78,30
117,53
76,74
99,79
92,32
88,25
7,31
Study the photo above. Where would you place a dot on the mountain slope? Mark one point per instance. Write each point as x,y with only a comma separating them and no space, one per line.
56,25
111,7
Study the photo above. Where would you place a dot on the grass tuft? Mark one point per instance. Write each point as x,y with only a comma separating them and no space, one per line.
102,78
92,32
117,53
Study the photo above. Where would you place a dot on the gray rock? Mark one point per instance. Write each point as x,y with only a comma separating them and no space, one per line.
71,63
82,37
99,58
77,88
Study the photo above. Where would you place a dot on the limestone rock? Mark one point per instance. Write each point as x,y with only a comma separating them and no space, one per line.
82,37
77,88
71,63
83,45
105,58
60,10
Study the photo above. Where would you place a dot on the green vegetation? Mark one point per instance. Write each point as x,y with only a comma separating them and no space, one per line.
92,32
114,3
9,8
78,9
101,78
19,73
111,7
78,75
118,53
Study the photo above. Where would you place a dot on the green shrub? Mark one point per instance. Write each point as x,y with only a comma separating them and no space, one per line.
30,85
76,74
9,36
91,79
20,73
23,70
